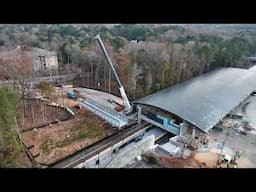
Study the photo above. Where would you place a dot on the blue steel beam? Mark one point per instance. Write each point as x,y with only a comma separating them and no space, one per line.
171,129
112,117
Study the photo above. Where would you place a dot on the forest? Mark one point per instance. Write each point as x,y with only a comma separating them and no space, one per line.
10,148
148,57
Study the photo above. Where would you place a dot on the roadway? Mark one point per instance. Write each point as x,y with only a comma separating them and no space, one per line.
55,78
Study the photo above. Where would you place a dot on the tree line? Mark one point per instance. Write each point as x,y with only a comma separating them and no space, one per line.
10,148
147,57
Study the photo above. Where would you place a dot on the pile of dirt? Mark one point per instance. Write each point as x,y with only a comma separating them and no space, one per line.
208,158
179,162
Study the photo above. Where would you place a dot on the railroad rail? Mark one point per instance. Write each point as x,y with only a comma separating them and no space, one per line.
99,146
164,138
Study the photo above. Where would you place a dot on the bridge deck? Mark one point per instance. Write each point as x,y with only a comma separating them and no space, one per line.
114,118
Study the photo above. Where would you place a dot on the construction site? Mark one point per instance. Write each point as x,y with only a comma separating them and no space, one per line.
204,122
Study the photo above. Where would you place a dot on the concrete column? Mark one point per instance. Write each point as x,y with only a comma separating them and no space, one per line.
193,133
183,128
181,131
139,114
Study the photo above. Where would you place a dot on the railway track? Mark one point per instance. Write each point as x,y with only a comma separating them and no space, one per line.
164,138
99,146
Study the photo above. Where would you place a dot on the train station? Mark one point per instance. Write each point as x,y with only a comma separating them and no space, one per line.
199,104
98,129
177,121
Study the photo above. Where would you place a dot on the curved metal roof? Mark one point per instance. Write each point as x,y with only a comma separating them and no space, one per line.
205,100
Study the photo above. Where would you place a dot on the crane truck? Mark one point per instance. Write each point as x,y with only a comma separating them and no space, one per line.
126,102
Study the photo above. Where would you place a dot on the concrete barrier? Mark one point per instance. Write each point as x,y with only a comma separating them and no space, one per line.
131,151
113,157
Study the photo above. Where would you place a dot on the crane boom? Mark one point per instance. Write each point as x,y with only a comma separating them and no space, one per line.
127,104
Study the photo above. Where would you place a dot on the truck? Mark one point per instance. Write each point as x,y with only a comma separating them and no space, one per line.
71,95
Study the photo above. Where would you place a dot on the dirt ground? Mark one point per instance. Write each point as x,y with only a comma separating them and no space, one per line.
66,102
23,161
245,163
158,160
179,162
211,158
55,142
208,158
43,114
237,142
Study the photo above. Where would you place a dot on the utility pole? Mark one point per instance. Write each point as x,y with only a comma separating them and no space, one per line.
43,110
50,74
222,147
48,34
109,81
62,93
32,111
104,78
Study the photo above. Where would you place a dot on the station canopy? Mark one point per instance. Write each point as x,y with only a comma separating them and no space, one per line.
205,100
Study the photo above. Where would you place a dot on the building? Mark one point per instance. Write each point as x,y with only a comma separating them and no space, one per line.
199,104
26,60
44,60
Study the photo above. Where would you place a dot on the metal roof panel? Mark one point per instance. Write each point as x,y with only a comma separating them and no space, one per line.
206,99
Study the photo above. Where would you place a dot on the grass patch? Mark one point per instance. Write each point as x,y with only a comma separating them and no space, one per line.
151,159
47,146
86,129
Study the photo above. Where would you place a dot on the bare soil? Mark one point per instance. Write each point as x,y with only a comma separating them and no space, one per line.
23,161
209,158
60,140
38,113
245,163
66,102
179,162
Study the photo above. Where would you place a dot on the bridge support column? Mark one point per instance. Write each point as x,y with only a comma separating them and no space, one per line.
139,114
183,128
193,133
